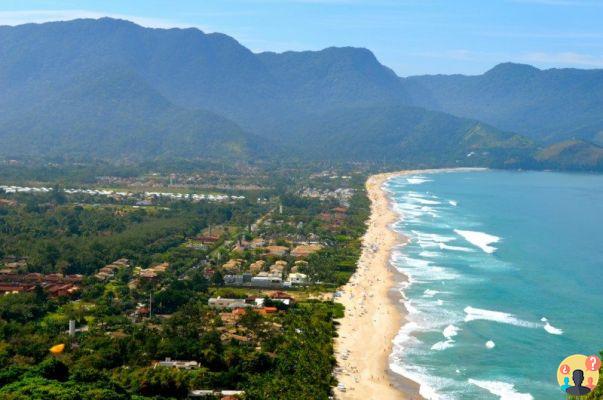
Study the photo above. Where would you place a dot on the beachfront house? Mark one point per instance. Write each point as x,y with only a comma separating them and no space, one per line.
169,363
297,278
267,279
221,303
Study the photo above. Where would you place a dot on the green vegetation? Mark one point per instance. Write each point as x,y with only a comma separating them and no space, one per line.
576,153
409,137
148,273
79,239
149,94
545,105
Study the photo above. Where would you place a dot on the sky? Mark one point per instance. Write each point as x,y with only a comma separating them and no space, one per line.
412,37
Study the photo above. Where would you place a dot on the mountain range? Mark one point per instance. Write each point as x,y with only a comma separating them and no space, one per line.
111,89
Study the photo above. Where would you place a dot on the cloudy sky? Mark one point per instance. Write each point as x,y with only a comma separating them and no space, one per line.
410,36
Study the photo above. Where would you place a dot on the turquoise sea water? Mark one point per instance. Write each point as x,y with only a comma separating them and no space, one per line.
506,280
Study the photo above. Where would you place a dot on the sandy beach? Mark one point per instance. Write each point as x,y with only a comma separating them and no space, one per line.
373,315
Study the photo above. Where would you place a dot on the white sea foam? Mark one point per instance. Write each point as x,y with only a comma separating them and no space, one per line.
432,236
444,246
410,308
428,244
451,331
429,254
412,262
422,271
417,180
426,201
479,239
504,390
430,293
490,344
443,345
440,302
453,203
472,314
550,328
404,336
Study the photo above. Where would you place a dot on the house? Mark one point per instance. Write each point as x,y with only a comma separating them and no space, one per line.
143,311
230,318
278,267
207,239
154,271
297,278
305,250
75,278
15,265
298,264
232,265
223,394
219,303
102,276
278,251
267,279
268,310
53,284
161,267
233,279
123,262
257,267
169,363
148,274
257,243
280,295
33,277
109,270
62,289
12,289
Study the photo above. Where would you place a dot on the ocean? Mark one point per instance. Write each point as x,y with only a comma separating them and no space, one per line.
505,277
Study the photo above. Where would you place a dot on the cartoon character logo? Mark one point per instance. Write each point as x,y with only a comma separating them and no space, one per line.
578,374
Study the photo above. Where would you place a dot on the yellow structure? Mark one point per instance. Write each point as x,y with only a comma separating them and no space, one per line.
57,349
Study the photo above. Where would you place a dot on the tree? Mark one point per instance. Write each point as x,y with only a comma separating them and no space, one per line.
217,279
51,368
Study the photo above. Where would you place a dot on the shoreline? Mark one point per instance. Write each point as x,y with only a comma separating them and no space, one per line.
374,313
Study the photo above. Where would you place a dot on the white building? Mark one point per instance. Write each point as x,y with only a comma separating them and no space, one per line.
297,278
218,302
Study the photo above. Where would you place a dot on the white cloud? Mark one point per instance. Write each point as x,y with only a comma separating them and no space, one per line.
39,16
564,58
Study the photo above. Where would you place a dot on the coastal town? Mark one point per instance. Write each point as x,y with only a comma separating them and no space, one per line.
259,268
